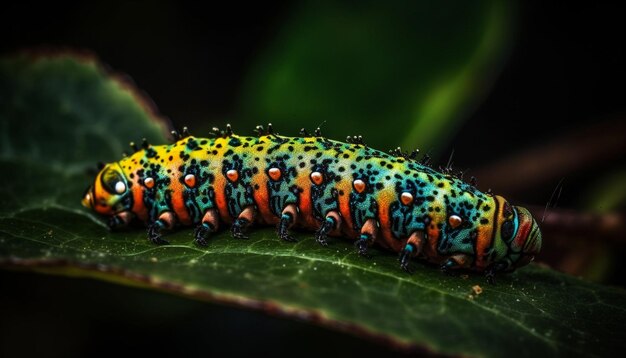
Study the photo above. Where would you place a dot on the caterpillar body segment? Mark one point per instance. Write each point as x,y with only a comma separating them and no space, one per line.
329,187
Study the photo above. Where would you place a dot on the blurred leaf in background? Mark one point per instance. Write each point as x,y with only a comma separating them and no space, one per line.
397,72
41,100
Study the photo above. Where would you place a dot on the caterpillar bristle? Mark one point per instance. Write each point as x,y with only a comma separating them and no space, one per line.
215,132
473,181
260,131
425,160
270,129
144,143
404,154
414,154
318,132
449,164
229,130
186,132
175,135
304,133
355,140
133,146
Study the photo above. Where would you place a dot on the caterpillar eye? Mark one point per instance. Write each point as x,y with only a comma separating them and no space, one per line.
113,182
120,187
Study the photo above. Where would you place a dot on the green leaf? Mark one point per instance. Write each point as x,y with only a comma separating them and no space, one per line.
397,72
68,113
532,312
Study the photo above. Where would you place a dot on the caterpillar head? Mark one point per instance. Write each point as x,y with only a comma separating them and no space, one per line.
110,192
518,238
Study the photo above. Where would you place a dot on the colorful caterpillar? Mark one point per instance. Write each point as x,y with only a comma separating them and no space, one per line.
334,188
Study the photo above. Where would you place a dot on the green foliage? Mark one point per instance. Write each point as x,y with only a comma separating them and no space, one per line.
86,115
395,72
68,113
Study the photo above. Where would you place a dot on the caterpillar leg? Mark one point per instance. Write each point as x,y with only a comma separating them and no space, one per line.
332,222
166,221
368,235
490,273
120,220
287,219
208,225
454,262
242,222
412,249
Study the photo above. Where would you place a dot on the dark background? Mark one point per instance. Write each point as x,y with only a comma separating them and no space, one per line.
565,69
564,72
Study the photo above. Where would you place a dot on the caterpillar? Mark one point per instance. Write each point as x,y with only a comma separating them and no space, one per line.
311,182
